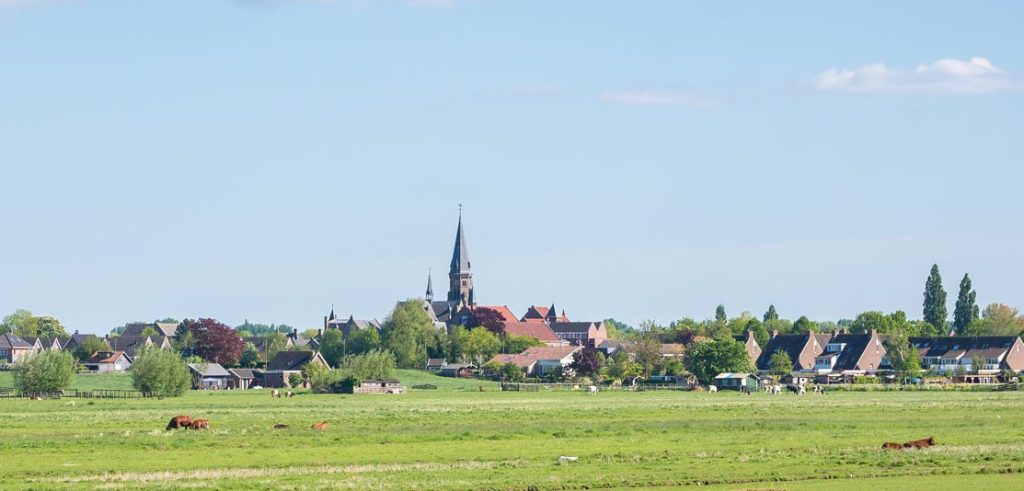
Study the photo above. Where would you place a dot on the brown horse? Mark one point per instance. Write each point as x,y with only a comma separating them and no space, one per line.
892,446
322,426
923,443
181,421
200,424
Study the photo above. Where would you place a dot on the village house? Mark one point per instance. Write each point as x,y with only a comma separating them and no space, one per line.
242,378
580,333
977,355
108,361
435,364
539,313
750,343
132,344
348,326
851,354
45,344
801,348
76,340
537,330
165,329
285,364
210,376
524,362
14,349
457,370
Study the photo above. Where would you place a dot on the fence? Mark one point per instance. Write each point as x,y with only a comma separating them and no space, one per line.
10,393
538,386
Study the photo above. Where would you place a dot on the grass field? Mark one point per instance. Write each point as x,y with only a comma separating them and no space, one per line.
458,437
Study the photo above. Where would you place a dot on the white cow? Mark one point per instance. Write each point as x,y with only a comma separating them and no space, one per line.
592,389
712,389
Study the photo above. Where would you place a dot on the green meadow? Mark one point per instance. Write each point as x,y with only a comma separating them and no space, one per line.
462,437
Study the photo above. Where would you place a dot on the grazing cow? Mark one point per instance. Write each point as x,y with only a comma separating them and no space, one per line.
289,394
200,424
776,389
280,426
712,389
181,421
801,391
592,389
892,446
923,443
276,394
322,426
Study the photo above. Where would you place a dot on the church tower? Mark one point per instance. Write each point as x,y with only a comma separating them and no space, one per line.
460,277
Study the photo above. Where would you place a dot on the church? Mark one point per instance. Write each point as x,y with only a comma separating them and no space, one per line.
461,296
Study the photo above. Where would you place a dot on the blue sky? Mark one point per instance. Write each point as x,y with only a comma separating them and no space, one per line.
267,159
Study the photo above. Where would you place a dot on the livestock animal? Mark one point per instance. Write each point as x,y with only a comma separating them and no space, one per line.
892,446
289,394
801,391
276,394
322,426
712,389
280,426
200,424
592,389
180,421
776,389
923,443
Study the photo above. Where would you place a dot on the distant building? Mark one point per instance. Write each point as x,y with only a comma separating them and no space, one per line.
131,344
211,376
108,361
14,349
286,363
750,343
950,354
166,329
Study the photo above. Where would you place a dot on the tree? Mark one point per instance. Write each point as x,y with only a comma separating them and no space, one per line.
46,372
408,333
997,320
966,310
319,377
149,331
513,343
620,367
161,373
362,341
90,346
377,364
586,362
647,353
771,314
216,342
275,342
18,321
333,346
760,333
488,318
23,324
720,313
672,366
508,372
250,356
476,345
803,324
935,300
902,355
616,329
706,359
780,364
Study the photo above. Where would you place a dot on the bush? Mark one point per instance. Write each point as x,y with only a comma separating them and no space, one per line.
321,378
376,364
161,373
50,371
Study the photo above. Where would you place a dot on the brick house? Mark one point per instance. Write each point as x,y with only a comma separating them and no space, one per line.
851,354
801,348
947,354
14,349
536,330
580,333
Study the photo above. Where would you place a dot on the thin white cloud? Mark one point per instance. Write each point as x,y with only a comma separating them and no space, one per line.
657,98
945,76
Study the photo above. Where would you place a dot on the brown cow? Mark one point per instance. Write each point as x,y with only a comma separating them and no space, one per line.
892,446
322,426
289,394
923,443
181,421
276,394
200,424
280,426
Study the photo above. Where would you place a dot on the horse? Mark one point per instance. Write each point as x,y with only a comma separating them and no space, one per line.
200,424
592,389
712,389
892,446
322,426
181,421
923,443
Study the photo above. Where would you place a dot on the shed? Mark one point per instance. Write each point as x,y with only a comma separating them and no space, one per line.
736,381
210,376
108,361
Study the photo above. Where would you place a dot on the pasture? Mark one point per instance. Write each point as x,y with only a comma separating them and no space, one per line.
458,437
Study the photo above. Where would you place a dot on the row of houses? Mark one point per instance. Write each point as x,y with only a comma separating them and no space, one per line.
277,374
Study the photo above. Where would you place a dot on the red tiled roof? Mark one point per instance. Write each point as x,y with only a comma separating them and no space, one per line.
537,313
550,352
521,361
538,330
506,313
105,357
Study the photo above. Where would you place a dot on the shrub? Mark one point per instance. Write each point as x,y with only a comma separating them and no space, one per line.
376,364
321,378
160,373
50,371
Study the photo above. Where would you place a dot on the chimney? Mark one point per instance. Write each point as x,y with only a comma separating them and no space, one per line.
873,332
319,333
325,322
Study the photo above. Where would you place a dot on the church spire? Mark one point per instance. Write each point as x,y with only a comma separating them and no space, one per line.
430,288
552,316
460,275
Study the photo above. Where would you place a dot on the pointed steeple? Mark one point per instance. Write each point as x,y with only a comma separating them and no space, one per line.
460,254
332,317
430,288
552,314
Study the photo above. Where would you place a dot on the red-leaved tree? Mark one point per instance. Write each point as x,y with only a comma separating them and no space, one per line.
490,319
216,342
